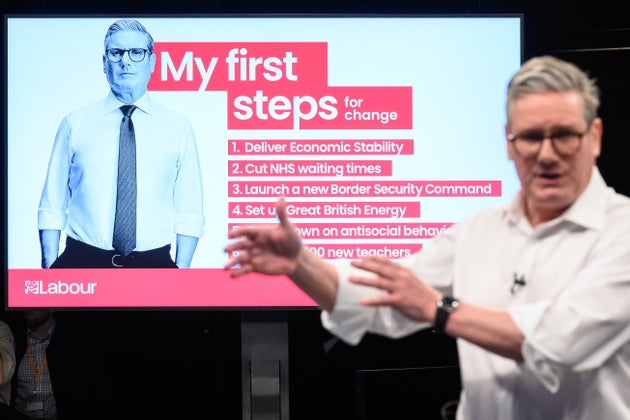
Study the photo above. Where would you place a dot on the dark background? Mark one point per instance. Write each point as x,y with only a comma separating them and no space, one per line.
187,364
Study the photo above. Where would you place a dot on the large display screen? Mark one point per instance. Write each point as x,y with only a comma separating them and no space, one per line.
380,132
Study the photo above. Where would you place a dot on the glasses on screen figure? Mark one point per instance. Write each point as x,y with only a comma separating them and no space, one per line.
115,55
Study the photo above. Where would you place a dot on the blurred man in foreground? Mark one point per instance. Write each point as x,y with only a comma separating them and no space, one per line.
534,291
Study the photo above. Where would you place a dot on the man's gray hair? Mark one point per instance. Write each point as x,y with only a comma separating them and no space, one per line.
129,25
549,74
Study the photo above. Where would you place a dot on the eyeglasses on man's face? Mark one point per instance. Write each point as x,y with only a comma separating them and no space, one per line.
115,55
565,142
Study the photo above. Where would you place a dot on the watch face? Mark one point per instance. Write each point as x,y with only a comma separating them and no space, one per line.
448,303
445,306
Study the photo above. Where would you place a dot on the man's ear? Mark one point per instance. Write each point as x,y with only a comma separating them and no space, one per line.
508,145
153,60
596,131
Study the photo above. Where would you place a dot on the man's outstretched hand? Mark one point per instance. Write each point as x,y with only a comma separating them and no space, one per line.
269,249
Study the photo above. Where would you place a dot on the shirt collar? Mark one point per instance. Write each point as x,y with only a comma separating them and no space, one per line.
143,103
44,338
587,211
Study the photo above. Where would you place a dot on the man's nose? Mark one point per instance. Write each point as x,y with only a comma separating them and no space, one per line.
547,150
126,59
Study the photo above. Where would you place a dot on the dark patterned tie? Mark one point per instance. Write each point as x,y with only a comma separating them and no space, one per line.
124,240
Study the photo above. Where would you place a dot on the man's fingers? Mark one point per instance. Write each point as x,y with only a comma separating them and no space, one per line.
377,300
245,269
240,245
241,258
243,231
281,212
231,263
378,265
379,282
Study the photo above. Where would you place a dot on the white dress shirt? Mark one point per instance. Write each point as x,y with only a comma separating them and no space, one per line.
80,188
574,309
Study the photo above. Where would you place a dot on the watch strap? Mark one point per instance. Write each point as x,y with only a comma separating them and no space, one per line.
445,306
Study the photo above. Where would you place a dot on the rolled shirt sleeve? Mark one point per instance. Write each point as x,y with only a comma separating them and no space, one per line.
188,189
52,213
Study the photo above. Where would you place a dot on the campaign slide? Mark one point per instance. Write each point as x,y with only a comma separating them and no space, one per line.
379,132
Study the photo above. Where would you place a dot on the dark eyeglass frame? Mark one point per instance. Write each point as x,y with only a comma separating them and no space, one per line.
565,142
115,55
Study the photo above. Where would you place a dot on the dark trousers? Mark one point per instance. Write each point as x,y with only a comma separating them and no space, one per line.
81,255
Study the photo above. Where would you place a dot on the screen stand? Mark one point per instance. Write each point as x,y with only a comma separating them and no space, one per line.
265,365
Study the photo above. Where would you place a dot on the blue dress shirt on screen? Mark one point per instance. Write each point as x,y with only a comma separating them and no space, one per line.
573,310
80,189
